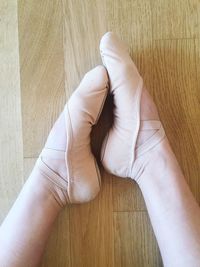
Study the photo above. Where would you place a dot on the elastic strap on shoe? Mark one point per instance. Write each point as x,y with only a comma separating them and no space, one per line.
154,139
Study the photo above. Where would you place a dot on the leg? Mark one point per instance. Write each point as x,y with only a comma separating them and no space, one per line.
66,171
173,211
24,232
146,157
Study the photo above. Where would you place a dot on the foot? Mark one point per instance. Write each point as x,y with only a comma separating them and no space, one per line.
137,129
66,160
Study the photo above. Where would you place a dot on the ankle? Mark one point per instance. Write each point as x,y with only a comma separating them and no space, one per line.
157,163
58,166
40,183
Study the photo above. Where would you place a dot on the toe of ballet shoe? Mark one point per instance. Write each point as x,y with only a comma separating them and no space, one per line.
98,77
110,41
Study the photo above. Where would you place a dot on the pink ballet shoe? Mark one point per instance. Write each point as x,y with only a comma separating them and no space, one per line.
137,128
66,160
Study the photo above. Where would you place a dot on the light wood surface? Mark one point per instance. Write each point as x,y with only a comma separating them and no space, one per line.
11,148
45,49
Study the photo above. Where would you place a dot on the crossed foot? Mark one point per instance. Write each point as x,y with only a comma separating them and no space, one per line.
67,161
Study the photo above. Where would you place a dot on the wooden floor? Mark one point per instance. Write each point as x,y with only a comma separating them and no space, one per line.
45,48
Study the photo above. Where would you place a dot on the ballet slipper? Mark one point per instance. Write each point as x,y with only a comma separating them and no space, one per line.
137,129
66,161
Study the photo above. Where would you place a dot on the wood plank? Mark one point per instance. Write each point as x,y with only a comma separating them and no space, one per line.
42,70
127,195
132,21
177,94
174,19
11,147
135,244
84,24
198,15
57,252
195,183
91,230
28,166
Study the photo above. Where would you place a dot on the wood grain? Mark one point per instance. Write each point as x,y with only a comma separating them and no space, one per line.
91,230
11,148
135,244
41,69
175,19
57,253
132,21
84,24
127,196
177,93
